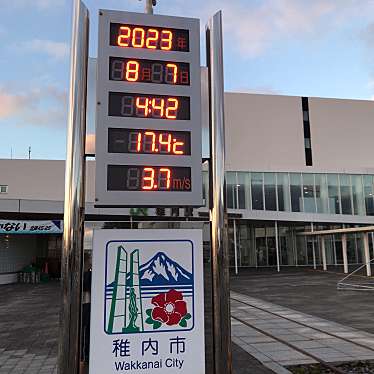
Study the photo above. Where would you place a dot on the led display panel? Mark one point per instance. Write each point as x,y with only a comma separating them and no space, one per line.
148,119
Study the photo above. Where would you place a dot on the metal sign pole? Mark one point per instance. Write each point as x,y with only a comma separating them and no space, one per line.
72,253
218,214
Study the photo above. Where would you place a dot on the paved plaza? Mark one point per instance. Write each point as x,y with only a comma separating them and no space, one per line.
274,335
29,328
29,317
273,317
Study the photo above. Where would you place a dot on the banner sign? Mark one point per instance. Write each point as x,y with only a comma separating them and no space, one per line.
30,227
147,311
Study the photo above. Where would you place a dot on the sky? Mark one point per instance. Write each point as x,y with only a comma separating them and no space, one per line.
318,48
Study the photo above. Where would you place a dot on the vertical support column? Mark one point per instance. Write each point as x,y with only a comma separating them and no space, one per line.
344,249
367,254
313,247
323,250
277,245
72,252
218,213
235,248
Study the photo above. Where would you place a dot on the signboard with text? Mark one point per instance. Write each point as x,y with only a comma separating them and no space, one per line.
30,227
148,122
147,311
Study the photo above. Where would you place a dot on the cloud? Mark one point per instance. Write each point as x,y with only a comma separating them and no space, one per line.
56,50
46,106
254,27
40,4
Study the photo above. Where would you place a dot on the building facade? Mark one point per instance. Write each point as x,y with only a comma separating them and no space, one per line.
293,165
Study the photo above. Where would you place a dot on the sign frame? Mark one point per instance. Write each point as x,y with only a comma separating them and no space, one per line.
184,248
119,199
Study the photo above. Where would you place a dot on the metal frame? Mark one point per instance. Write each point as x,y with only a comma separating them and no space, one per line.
72,253
218,212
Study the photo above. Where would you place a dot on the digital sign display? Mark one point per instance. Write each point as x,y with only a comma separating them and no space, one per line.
149,37
125,104
177,143
148,178
149,71
148,112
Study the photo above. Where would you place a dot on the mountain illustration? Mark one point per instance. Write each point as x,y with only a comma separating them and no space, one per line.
161,270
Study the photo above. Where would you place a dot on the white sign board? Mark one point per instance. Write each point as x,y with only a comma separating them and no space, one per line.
148,120
147,311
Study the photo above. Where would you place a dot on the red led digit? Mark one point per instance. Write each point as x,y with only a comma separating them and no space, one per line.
171,72
166,40
132,71
171,108
123,39
158,107
152,39
139,142
138,37
142,109
148,178
133,142
164,178
149,142
165,143
176,144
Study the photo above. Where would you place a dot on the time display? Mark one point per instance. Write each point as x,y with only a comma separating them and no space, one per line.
149,37
149,71
148,178
123,104
149,141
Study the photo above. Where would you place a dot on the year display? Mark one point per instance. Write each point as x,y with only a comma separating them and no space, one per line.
149,37
148,178
161,142
122,104
149,71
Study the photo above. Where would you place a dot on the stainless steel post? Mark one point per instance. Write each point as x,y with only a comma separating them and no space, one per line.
72,253
218,214
149,6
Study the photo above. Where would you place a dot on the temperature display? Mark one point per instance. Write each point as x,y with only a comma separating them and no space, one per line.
149,141
149,71
123,104
149,37
148,178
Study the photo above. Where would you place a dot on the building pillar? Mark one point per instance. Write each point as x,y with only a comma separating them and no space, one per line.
235,248
323,250
367,254
344,249
277,245
313,247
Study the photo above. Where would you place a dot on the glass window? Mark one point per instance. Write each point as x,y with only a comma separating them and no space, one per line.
270,193
261,249
257,191
295,187
231,190
333,189
283,190
345,193
243,186
368,192
321,192
308,193
3,189
358,195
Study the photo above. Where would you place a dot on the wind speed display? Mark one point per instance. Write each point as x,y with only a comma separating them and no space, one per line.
148,121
